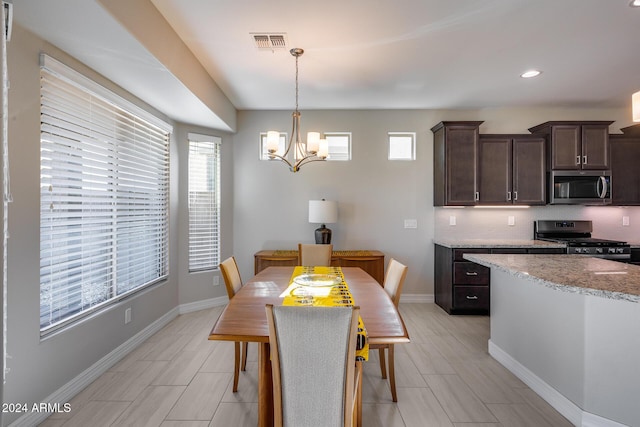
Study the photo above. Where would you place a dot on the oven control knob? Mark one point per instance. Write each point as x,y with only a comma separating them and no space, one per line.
598,250
620,250
612,250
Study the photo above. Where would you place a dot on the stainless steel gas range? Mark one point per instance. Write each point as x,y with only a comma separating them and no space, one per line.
577,236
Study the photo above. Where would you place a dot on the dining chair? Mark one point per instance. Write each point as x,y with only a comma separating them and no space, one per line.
233,283
393,282
316,379
312,255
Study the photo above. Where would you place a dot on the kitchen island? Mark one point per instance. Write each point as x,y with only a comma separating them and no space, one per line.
568,326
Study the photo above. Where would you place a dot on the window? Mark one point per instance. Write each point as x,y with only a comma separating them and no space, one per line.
204,202
402,146
104,197
339,145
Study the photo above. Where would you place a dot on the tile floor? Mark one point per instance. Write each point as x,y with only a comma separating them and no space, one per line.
445,377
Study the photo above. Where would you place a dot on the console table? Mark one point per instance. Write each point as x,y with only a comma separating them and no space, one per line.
370,261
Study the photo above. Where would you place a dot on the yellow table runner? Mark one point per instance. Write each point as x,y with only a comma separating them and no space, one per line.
327,297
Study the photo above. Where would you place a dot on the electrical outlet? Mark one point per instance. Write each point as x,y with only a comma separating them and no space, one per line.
410,223
625,221
452,220
216,280
127,315
511,220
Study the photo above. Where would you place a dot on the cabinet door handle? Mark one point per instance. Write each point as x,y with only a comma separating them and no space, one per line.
477,196
508,195
472,297
577,160
472,273
584,160
515,195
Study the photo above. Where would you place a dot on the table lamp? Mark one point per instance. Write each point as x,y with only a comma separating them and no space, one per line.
323,212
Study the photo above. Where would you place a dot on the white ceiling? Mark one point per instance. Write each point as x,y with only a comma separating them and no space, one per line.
367,54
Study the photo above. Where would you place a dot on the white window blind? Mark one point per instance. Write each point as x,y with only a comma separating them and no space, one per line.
339,145
104,197
204,202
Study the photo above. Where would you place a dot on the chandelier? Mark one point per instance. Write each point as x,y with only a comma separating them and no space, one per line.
313,150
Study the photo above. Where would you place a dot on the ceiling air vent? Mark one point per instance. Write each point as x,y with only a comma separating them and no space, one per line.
270,41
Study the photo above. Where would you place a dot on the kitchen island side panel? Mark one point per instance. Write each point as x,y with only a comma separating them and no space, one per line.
542,329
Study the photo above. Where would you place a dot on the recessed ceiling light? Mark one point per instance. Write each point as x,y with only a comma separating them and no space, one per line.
634,3
530,73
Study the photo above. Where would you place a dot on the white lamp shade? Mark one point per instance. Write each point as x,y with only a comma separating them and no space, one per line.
323,211
635,106
323,149
313,142
273,141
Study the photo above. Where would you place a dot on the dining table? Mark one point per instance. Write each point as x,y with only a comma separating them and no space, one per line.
244,319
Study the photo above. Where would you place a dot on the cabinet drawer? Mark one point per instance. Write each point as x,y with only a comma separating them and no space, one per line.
471,297
470,273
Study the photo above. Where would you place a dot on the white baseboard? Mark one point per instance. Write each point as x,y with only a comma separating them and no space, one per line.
567,408
417,298
204,304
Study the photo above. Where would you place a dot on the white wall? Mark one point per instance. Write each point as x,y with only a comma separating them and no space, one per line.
375,195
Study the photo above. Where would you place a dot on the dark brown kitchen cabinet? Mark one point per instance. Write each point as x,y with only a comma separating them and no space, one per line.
576,145
462,286
625,167
511,170
455,146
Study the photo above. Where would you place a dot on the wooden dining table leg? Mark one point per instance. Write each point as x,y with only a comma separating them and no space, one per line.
265,386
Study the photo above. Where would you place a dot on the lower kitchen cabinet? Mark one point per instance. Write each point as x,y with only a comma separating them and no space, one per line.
463,287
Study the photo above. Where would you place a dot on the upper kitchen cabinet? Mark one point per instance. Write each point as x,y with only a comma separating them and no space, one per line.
625,175
511,170
576,145
455,147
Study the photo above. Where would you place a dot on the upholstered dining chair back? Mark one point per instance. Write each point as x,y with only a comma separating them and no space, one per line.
231,276
312,255
313,364
394,279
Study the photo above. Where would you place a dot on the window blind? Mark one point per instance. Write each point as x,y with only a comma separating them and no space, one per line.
104,197
204,202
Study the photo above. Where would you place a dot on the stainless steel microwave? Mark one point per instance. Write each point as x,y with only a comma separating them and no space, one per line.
580,187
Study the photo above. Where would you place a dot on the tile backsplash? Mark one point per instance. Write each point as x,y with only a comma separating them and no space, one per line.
494,223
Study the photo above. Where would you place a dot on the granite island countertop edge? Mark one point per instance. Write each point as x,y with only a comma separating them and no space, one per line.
492,261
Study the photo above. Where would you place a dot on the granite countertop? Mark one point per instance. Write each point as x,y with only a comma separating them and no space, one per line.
496,243
570,273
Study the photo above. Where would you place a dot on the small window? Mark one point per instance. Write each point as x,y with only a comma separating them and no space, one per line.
264,154
339,145
402,146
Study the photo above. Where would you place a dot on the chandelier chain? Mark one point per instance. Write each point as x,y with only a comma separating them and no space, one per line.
297,56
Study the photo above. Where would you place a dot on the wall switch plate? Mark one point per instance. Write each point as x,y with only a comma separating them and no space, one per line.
452,220
410,223
127,315
625,221
216,280
511,220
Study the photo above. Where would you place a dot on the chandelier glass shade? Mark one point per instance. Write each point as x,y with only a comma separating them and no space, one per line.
314,149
